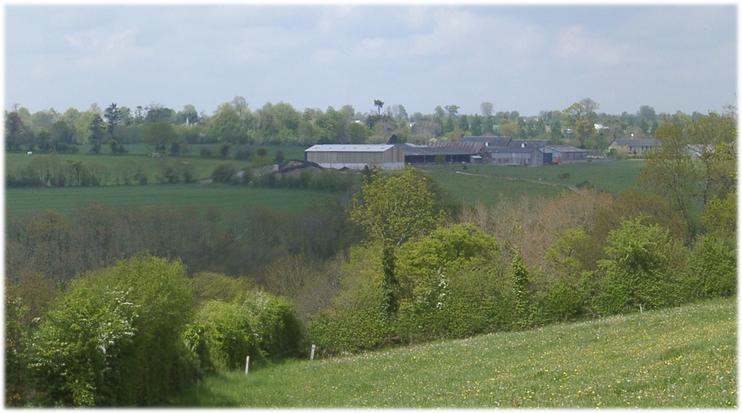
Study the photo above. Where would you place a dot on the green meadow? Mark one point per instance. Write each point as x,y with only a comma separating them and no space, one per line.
489,183
679,357
26,201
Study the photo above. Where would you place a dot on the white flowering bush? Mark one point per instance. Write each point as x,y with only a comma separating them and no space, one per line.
114,337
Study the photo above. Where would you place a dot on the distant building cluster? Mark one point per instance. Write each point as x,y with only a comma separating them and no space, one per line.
499,150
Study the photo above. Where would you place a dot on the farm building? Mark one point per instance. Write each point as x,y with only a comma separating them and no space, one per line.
634,147
558,154
517,152
448,152
355,156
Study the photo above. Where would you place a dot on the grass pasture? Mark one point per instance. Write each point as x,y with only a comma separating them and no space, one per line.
26,201
680,357
488,183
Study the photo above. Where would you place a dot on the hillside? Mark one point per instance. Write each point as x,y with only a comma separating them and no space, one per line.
681,357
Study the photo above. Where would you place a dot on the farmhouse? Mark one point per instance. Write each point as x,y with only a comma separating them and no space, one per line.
355,156
634,147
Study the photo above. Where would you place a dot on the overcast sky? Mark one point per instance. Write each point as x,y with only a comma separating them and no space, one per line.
520,58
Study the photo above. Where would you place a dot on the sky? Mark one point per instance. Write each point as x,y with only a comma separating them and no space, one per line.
524,58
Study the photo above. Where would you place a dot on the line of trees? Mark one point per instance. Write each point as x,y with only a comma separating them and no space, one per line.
167,129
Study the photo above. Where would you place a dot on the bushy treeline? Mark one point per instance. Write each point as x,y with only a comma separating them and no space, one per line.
169,130
54,172
136,333
321,180
240,242
521,265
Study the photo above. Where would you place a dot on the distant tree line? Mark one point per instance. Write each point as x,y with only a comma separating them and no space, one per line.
170,130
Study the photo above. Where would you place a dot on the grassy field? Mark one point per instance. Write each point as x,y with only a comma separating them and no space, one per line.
681,357
489,183
24,201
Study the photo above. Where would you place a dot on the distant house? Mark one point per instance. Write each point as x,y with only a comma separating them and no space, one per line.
634,147
356,156
559,154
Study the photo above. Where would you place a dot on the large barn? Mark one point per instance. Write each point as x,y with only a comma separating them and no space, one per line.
356,156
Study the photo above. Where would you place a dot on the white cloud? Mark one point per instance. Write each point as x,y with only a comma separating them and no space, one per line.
98,48
574,45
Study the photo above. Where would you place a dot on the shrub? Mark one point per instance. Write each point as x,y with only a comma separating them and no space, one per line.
206,153
173,172
224,150
221,336
223,173
713,269
470,301
355,321
114,337
213,286
16,332
277,328
257,324
642,268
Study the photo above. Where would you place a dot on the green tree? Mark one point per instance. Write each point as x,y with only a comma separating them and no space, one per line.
486,109
159,135
379,104
393,209
358,132
15,131
581,117
671,172
714,136
97,133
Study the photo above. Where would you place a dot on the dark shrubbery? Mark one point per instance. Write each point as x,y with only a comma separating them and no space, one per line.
223,173
176,171
323,180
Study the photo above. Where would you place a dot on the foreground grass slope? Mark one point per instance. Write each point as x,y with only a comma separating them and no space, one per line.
681,357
